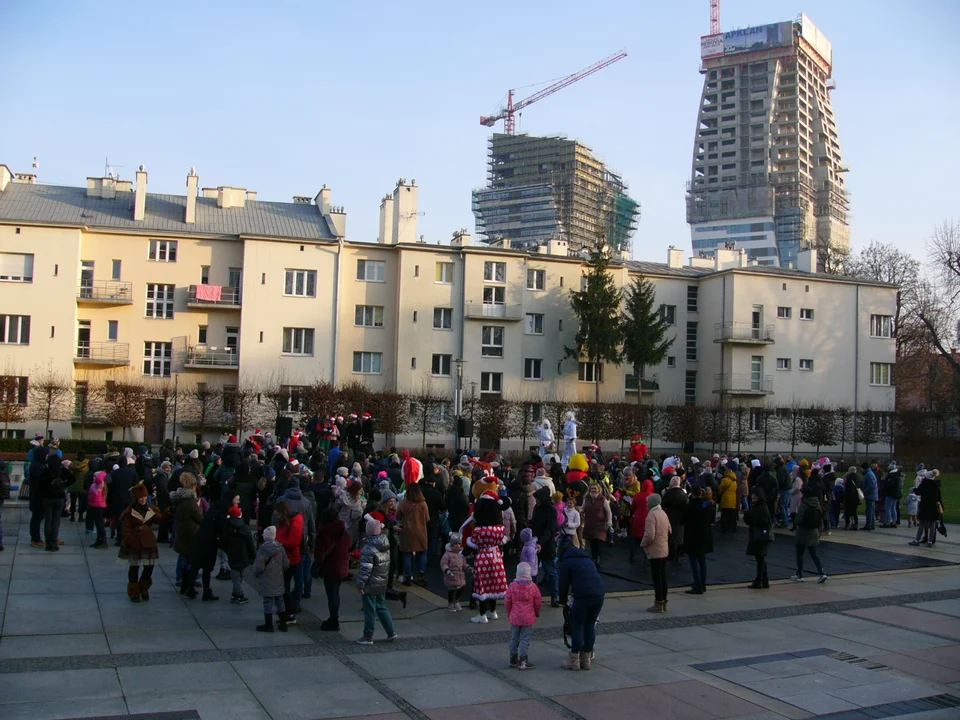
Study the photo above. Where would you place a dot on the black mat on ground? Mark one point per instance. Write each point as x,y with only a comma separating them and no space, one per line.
730,564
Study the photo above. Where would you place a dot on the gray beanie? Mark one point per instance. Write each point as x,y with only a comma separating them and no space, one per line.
653,501
387,495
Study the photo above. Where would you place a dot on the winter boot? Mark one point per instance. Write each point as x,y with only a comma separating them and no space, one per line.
133,592
572,663
282,624
755,585
514,661
330,624
657,607
586,661
765,582
145,585
554,603
267,624
525,663
208,595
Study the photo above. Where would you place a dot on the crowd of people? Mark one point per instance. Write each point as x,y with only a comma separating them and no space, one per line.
325,505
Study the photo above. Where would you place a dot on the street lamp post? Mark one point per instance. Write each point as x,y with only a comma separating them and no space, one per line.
458,396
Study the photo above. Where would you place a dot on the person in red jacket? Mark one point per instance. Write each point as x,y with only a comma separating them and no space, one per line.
331,561
290,535
640,511
638,449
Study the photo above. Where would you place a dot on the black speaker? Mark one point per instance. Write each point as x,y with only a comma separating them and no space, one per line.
284,426
465,427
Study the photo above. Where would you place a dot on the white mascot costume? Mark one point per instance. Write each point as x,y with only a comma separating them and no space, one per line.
544,437
569,440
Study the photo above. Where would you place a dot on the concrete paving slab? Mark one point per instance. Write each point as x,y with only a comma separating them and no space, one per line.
818,703
35,646
412,663
217,704
323,701
135,641
450,689
880,692
526,709
28,687
279,672
70,708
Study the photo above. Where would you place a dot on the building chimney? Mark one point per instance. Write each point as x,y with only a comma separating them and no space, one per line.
231,197
674,258
193,181
405,201
461,238
5,177
386,222
558,247
27,178
338,220
251,194
323,200
807,260
140,196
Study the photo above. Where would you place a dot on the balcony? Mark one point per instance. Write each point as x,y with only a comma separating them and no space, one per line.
743,333
492,311
212,297
743,384
105,292
204,357
647,385
112,354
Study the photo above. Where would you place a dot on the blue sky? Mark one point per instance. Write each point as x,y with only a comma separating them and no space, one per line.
284,97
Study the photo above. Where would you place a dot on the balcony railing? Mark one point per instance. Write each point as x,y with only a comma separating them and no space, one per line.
743,384
105,292
492,311
743,332
210,296
208,357
102,353
647,385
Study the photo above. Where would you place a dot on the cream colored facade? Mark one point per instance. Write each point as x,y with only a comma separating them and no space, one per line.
397,314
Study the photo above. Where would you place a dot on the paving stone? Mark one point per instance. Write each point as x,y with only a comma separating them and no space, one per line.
944,607
215,704
135,641
294,702
711,700
412,663
68,708
448,690
35,646
655,704
904,663
280,672
881,692
28,687
526,709
819,703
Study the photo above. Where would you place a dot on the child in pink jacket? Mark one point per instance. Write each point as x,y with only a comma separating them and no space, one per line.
523,602
97,506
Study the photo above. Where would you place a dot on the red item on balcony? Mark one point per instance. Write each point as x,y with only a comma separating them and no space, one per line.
210,293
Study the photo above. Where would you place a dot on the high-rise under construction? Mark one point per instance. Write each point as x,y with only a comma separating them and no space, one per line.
545,188
767,172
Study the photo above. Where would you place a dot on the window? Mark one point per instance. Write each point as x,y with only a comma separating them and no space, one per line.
590,372
442,318
413,363
371,271
369,316
536,279
12,433
15,329
693,297
495,272
229,395
532,369
534,324
297,341
157,357
668,313
163,250
671,361
202,334
416,271
115,270
16,267
806,313
14,390
300,283
783,363
806,364
367,363
690,387
691,341
113,330
880,373
445,273
441,365
204,274
491,382
756,419
784,313
159,301
293,398
491,341
494,295
881,326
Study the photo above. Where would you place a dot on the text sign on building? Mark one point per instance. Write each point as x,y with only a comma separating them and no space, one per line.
752,39
711,46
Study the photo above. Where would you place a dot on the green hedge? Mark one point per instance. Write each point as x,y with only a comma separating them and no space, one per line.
70,446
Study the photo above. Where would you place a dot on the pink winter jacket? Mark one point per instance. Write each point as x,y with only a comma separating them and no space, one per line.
523,603
655,534
95,496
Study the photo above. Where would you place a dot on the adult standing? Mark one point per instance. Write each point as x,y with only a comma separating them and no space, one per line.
119,483
638,518
784,485
34,468
597,520
332,562
851,499
4,494
290,534
545,437
931,507
203,552
728,500
489,575
674,504
698,538
870,494
434,499
414,516
656,543
569,439
186,521
809,521
52,488
892,492
139,545
580,578
543,524
760,526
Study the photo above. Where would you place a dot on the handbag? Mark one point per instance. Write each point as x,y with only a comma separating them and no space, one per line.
860,494
941,528
760,535
24,493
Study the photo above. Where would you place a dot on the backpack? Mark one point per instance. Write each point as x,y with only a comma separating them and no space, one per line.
57,487
813,518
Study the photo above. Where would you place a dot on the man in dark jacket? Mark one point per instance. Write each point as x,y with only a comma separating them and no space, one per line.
435,504
161,481
892,492
768,483
52,488
544,527
119,482
784,486
698,538
579,576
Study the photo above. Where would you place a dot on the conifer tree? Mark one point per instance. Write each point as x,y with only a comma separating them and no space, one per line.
643,329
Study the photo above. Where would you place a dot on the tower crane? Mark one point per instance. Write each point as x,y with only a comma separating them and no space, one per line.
715,27
506,113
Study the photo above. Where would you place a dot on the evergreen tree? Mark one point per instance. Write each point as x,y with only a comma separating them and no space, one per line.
597,308
643,330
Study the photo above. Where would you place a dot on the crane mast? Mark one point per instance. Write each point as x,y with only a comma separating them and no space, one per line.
715,26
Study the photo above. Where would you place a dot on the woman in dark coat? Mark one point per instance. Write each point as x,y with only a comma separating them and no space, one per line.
809,521
52,490
544,527
458,507
851,499
203,554
698,537
331,561
186,519
760,526
931,502
674,504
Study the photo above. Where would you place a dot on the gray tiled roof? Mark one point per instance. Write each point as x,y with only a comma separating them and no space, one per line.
60,205
653,268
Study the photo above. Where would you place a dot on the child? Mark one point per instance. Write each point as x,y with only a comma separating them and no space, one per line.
454,567
569,522
523,603
271,563
913,505
530,550
241,551
372,579
96,506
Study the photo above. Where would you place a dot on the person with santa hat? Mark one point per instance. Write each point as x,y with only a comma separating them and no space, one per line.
367,430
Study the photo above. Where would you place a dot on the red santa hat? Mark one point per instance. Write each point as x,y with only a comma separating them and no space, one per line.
353,416
339,417
490,495
232,439
366,416
234,512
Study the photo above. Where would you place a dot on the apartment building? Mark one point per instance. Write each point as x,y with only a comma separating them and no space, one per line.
220,289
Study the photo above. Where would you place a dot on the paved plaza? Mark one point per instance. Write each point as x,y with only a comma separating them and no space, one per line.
869,644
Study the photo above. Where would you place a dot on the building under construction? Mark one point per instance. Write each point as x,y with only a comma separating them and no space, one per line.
546,188
767,172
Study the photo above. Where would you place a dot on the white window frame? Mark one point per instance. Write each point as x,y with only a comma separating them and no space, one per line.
295,341
493,269
588,372
692,350
157,358
491,383
530,324
113,325
497,294
784,312
671,361
22,325
370,363
370,316
668,313
443,270
19,390
693,293
881,326
881,374
805,364
690,393
533,369
806,313
536,279
162,251
26,274
489,335
446,313
296,283
440,362
371,271
784,364
159,303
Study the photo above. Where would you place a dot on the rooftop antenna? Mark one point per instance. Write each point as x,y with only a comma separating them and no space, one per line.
109,169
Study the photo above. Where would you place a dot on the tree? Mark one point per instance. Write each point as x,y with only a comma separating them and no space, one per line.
390,412
202,407
493,418
819,427
239,407
427,412
844,426
762,417
934,304
831,258
713,426
50,394
682,424
87,403
13,401
643,330
125,404
741,429
597,309
790,420
866,429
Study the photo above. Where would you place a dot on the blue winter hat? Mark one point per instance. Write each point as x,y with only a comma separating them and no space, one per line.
269,472
921,468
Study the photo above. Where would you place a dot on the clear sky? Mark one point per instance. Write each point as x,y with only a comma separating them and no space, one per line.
284,97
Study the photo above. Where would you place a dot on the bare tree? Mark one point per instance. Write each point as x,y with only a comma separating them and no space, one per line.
713,426
682,424
819,427
202,409
789,424
866,429
14,394
125,404
50,393
88,397
240,406
741,429
320,400
427,412
493,418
